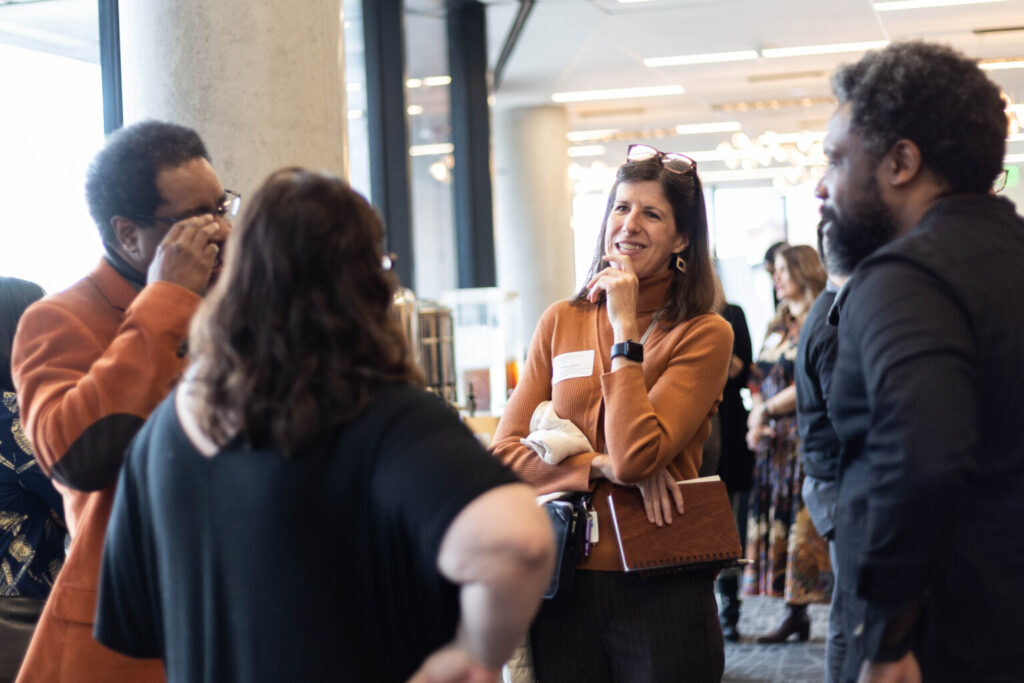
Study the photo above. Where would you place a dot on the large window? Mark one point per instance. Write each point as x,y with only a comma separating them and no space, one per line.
51,125
355,98
428,99
745,221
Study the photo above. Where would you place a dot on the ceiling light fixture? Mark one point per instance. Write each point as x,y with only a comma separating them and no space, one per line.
705,155
439,172
414,110
587,151
830,49
1013,158
714,127
708,177
588,135
919,4
428,150
706,58
999,64
429,81
812,135
616,93
432,81
790,76
762,105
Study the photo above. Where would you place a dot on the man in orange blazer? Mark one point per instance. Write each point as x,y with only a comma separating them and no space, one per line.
90,363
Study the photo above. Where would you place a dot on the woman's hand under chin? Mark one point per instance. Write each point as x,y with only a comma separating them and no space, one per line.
622,291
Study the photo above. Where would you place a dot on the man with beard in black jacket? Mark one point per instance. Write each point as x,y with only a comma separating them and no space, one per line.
929,377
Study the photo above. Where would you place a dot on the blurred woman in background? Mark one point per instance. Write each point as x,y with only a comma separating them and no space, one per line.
788,557
735,462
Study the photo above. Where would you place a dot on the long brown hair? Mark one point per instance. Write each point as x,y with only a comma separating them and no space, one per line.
690,294
292,340
806,270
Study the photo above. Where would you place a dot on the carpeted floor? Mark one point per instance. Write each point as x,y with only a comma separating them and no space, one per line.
746,661
791,662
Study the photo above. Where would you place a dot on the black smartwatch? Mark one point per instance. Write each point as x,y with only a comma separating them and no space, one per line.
630,349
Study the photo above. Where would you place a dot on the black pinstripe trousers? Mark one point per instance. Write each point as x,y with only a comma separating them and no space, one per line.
623,628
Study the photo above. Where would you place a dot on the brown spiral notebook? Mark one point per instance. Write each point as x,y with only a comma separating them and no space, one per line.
704,536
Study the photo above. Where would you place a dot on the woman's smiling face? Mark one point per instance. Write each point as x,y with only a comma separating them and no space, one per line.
641,225
787,286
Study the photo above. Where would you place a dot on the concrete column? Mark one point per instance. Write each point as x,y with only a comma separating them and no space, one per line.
262,82
533,208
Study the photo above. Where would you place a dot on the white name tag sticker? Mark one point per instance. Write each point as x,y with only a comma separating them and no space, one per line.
572,365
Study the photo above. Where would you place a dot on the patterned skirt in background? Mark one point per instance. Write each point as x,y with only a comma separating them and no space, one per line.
788,557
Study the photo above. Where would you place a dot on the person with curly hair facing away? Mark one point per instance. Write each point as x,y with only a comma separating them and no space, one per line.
929,375
300,508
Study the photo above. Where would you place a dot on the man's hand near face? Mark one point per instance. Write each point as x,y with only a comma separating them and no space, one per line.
188,253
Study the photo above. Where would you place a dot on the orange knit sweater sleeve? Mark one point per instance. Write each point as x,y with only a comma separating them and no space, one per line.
647,428
83,395
652,416
573,473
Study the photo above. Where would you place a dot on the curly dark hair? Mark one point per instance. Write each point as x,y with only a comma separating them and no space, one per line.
121,180
690,294
15,296
294,337
935,97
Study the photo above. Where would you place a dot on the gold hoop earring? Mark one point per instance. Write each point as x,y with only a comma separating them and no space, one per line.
680,264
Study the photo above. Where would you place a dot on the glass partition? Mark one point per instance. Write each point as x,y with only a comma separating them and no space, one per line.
50,128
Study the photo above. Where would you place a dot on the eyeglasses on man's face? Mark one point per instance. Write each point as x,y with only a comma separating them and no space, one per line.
676,163
228,208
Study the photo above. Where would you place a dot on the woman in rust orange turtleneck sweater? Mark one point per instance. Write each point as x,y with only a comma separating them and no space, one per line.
645,411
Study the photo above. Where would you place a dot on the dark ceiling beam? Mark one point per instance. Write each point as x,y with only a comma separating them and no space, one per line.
384,40
110,65
471,135
525,7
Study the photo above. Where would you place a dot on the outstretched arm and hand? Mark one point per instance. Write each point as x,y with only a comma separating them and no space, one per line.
503,569
758,426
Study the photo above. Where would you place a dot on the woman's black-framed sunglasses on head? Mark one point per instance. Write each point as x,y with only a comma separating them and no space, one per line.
676,163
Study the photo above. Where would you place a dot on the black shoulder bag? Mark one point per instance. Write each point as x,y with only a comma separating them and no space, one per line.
569,518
